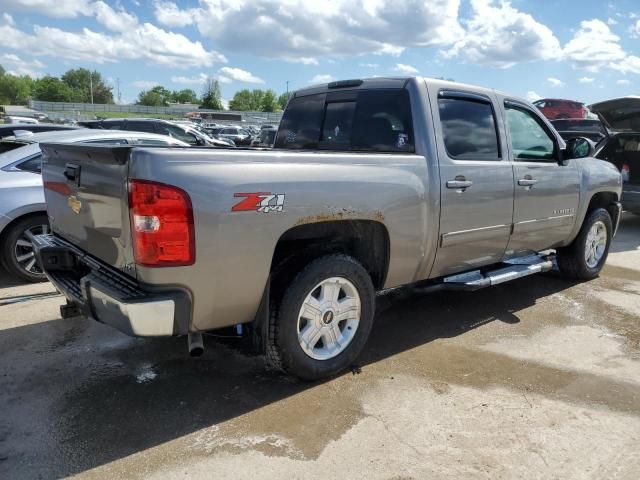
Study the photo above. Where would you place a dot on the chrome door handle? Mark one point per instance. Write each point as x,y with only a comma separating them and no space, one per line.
527,182
459,183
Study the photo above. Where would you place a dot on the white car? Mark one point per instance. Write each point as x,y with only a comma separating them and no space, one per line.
22,205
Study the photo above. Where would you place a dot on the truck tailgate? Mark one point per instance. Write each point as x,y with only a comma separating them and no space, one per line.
87,201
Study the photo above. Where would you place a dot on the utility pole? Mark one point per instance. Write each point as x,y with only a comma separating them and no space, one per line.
287,88
91,86
119,96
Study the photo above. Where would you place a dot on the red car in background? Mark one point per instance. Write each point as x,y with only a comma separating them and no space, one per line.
554,108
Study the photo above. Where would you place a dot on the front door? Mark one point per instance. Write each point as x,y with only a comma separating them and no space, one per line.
547,189
476,182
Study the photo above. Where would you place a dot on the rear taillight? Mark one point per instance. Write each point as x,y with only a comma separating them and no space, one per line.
626,172
161,224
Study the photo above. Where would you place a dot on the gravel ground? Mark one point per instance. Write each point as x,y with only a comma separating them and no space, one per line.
539,378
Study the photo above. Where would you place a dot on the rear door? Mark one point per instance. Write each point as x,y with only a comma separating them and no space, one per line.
547,189
476,181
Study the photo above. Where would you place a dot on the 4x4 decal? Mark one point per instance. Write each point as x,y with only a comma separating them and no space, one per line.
263,202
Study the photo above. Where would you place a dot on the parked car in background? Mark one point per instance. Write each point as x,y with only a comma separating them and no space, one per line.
16,119
555,108
22,205
238,135
265,139
372,184
185,133
622,146
593,129
8,130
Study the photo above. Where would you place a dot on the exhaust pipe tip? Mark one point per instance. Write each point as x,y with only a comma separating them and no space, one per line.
196,344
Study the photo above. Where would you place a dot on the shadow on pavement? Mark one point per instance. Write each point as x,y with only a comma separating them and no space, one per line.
91,395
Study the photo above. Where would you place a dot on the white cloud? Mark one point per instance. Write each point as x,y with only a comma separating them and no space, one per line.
623,81
17,66
501,36
406,69
555,82
635,30
7,19
302,60
138,42
533,96
630,64
322,78
169,15
302,30
146,84
586,80
593,46
239,75
611,21
117,21
56,9
199,79
369,65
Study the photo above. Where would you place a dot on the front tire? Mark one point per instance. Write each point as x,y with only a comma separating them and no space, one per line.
323,319
585,257
17,252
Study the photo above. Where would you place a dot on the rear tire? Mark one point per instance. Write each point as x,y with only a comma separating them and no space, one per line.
585,257
323,318
16,252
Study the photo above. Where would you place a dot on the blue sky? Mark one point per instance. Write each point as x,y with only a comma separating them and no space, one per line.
587,50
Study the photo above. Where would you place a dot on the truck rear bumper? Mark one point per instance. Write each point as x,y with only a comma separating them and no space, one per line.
106,295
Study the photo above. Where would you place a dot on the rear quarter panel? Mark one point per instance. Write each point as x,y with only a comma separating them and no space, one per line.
234,249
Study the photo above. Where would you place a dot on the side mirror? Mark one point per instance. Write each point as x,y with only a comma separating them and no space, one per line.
579,147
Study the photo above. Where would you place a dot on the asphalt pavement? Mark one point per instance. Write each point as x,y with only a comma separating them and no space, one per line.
538,378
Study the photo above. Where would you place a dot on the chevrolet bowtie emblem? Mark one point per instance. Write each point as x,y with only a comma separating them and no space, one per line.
74,204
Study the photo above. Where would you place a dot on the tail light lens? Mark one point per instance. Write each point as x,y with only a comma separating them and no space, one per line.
161,224
626,172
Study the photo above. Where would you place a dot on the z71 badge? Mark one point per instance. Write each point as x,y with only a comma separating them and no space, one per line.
263,202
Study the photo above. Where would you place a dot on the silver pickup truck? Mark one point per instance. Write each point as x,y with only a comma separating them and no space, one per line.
372,184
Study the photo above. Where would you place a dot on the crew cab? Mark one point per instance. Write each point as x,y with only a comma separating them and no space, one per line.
372,184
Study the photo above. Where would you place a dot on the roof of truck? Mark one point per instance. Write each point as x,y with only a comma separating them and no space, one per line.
390,82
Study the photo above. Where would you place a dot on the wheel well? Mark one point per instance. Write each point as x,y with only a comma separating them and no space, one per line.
365,240
604,200
10,225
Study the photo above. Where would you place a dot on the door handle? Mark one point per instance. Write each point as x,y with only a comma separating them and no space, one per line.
72,173
527,182
459,183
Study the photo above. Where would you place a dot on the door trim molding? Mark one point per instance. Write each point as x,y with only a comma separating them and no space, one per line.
474,235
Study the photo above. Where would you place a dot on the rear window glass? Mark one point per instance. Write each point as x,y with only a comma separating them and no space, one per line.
116,125
34,164
141,127
370,120
469,129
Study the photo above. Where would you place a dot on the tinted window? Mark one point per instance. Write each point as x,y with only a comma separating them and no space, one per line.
177,132
371,120
469,129
529,140
300,125
338,119
33,164
115,125
383,122
141,127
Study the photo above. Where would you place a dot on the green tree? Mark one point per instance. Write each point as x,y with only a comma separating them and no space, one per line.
247,100
81,81
158,96
2,70
15,90
283,99
211,95
184,96
269,102
52,89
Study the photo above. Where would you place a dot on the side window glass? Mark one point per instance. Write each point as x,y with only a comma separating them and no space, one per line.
338,119
115,125
33,164
469,129
383,122
177,132
141,127
300,125
529,140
